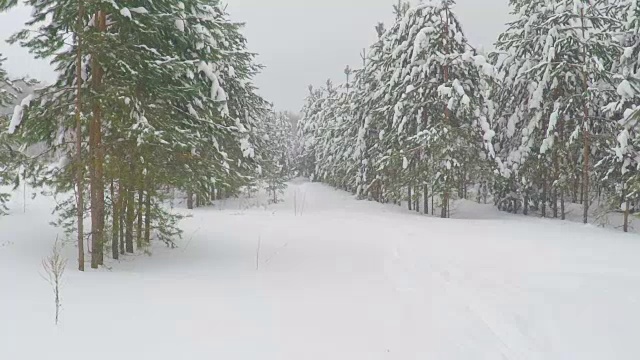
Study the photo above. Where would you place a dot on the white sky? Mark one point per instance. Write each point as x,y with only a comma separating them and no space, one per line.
300,42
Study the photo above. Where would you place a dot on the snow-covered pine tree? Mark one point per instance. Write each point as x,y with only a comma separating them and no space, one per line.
333,138
434,91
367,101
9,157
275,155
244,109
409,116
153,105
554,63
620,170
309,131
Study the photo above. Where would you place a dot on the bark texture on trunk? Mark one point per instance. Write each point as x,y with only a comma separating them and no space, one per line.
78,116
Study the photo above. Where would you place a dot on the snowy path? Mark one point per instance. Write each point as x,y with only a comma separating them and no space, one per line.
345,280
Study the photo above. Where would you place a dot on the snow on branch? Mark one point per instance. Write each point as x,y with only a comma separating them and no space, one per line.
18,112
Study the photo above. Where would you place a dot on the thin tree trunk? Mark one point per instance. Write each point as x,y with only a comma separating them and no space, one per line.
78,116
189,200
130,217
115,225
433,203
425,199
556,170
626,209
410,200
445,204
581,190
576,184
95,144
147,216
626,215
544,193
447,115
140,210
585,131
585,176
122,205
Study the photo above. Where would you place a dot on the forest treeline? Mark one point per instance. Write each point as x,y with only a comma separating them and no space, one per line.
151,97
547,119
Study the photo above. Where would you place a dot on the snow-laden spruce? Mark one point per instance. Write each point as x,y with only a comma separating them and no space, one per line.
555,65
8,157
159,95
414,118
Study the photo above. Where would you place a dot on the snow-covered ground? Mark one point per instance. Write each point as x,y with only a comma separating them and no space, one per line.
322,276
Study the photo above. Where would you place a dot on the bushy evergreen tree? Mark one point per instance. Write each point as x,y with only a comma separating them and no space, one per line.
8,155
555,64
159,96
414,119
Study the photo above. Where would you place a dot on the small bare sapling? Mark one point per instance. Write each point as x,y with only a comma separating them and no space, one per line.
54,266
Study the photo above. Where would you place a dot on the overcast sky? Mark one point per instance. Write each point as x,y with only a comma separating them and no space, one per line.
300,42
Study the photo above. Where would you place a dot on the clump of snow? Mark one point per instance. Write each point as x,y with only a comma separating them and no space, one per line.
179,24
626,90
125,12
18,111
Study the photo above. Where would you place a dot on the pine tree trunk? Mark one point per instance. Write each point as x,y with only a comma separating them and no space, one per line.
465,190
585,177
556,176
130,215
447,115
425,199
576,184
189,200
626,215
97,158
445,204
581,190
625,219
410,199
140,210
585,131
147,216
122,205
78,116
433,203
555,203
544,193
460,185
115,225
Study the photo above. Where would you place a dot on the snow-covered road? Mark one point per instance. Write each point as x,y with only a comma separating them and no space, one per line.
323,276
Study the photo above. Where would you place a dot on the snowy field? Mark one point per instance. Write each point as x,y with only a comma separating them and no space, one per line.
322,276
